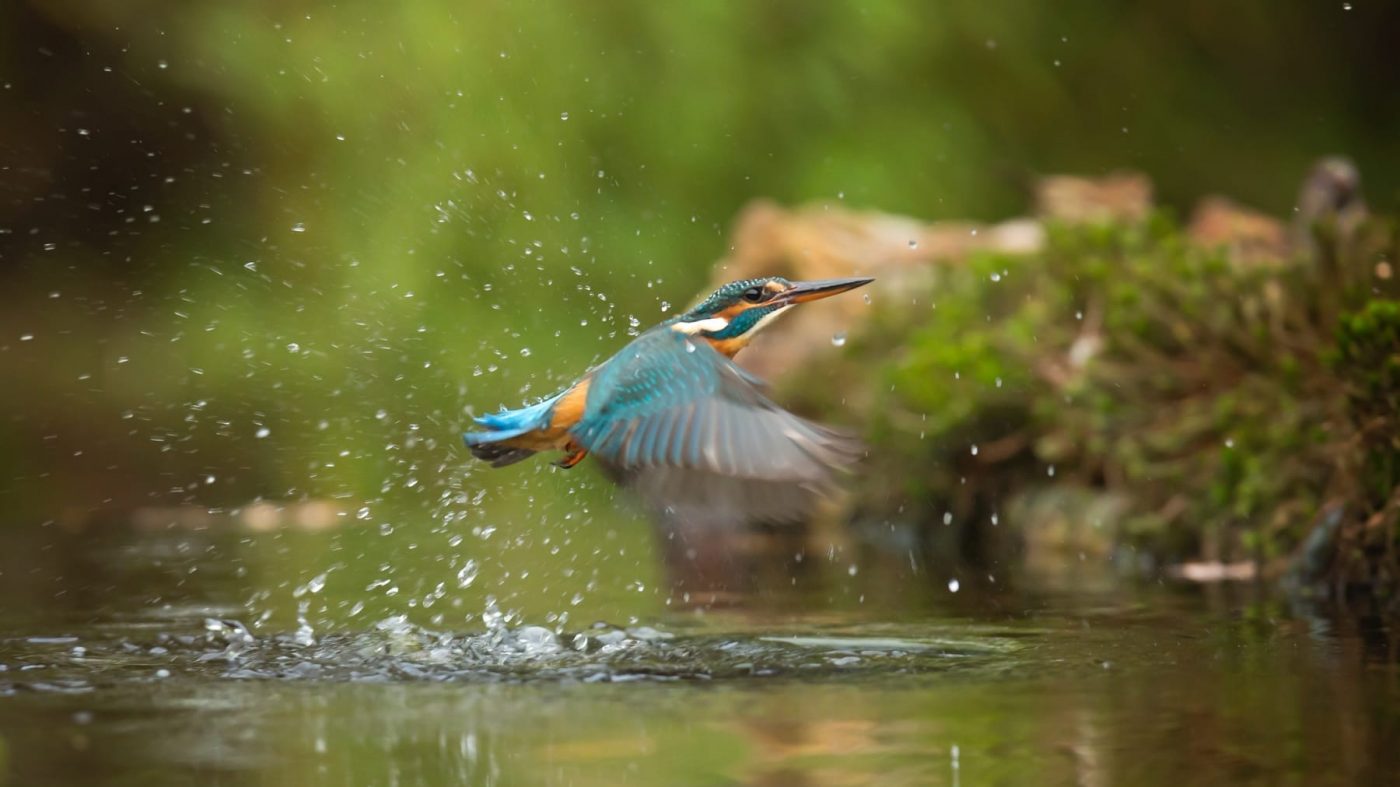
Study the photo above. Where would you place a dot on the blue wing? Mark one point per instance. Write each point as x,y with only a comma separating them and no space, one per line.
693,431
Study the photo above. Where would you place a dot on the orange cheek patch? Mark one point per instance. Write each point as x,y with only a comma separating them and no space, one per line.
733,311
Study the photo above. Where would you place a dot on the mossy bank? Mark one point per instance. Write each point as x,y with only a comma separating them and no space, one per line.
1130,392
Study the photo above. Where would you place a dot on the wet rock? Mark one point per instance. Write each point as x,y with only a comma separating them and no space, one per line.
1331,193
1117,197
1246,235
1329,203
1206,571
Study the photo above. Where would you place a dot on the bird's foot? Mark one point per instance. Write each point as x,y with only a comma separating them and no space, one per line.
571,459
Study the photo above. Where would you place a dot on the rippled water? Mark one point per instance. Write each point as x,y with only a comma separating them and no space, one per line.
133,666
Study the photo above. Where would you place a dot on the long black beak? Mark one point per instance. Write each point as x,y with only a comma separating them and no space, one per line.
804,291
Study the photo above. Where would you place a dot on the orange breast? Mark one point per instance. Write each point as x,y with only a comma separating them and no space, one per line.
728,347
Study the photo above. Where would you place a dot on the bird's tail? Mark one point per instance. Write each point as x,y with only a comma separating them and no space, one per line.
492,446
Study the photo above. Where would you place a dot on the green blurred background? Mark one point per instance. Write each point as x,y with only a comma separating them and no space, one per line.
277,250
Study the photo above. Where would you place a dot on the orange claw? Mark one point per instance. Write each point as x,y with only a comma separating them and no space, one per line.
572,458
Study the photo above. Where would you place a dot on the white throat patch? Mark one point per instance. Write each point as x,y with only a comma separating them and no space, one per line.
766,319
713,325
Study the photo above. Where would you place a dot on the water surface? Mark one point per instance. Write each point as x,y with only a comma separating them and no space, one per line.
134,658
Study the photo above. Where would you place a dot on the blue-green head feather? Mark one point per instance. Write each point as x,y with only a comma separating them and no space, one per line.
736,292
739,309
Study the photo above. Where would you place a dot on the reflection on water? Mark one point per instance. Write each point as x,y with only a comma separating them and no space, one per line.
141,660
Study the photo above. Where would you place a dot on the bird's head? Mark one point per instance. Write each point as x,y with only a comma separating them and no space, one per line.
732,315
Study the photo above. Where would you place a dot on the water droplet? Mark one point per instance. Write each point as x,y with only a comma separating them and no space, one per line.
867,297
690,347
162,65
26,337
1229,442
563,115
467,575
1050,471
974,450
262,432
299,227
838,339
996,277
1346,6
853,569
293,347
953,585
313,586
913,244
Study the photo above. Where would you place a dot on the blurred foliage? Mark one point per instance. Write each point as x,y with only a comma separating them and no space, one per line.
1227,401
338,225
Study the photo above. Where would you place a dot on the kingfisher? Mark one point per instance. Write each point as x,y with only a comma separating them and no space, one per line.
672,416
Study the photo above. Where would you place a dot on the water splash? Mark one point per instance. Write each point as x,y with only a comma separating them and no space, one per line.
396,649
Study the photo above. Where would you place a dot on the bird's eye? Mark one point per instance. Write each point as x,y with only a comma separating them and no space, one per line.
753,294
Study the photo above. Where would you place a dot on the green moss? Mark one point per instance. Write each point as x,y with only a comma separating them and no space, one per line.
1367,359
1219,398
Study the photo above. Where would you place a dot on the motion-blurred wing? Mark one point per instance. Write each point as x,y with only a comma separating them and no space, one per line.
693,433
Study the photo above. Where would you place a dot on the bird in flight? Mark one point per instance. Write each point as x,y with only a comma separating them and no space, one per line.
673,417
